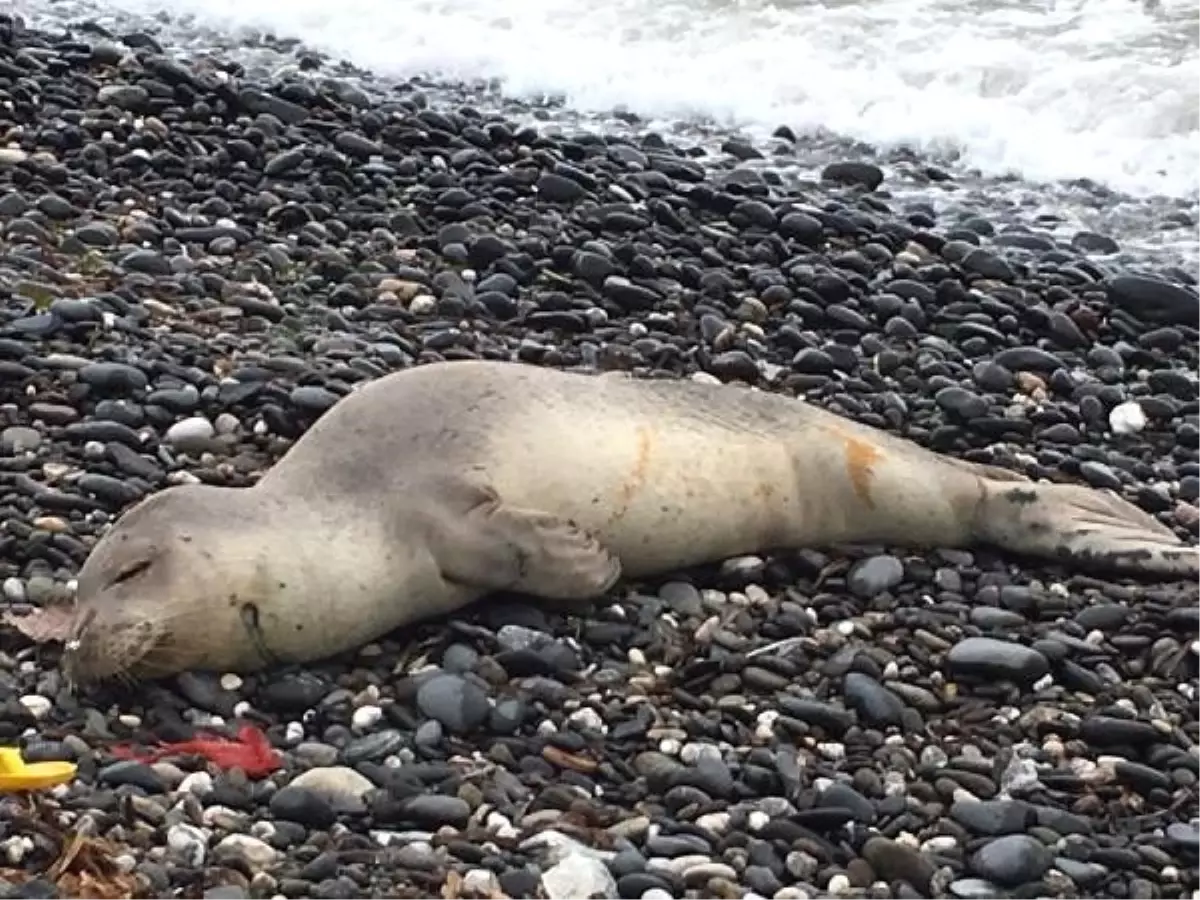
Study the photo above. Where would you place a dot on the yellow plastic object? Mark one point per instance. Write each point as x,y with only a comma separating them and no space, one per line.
18,775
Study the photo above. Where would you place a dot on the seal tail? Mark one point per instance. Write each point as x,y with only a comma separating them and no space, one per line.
1090,528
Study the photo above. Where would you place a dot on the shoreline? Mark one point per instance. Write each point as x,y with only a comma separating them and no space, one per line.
199,264
1152,231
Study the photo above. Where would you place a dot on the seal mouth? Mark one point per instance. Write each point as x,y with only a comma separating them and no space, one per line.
97,653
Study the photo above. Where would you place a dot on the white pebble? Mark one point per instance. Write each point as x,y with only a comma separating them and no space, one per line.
908,839
256,853
293,733
227,423
1019,775
587,718
694,751
704,633
481,882
94,450
55,472
757,820
422,305
231,681
188,843
190,434
625,197
386,838
894,783
1127,418
669,746
15,848
37,705
839,884
578,874
764,731
757,595
500,825
198,783
942,843
14,590
832,750
933,756
716,822
366,717
223,818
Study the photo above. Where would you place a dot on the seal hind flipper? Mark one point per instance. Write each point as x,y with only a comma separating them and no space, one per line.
1092,528
499,547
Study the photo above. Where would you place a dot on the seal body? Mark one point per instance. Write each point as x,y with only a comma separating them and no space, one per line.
431,487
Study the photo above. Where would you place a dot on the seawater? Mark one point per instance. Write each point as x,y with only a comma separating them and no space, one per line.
1107,90
1029,95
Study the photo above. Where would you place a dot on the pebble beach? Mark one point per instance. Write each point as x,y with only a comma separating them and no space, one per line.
199,259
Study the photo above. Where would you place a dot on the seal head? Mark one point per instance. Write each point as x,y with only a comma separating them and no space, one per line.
137,615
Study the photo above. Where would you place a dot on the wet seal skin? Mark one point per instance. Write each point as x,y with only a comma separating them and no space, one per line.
430,488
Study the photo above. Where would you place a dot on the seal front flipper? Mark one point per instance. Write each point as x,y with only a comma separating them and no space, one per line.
1091,528
492,545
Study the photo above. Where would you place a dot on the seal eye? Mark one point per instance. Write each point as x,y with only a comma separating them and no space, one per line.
130,571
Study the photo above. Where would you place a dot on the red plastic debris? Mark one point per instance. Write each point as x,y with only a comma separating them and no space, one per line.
250,751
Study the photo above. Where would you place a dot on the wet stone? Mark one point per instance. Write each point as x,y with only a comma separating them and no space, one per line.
375,746
873,702
1012,860
298,804
457,703
1154,300
992,817
874,575
114,378
895,861
994,659
132,773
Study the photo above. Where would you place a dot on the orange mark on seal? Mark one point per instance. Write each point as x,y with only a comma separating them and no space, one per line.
861,457
637,477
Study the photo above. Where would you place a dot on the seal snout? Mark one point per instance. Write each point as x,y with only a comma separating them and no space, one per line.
104,646
114,635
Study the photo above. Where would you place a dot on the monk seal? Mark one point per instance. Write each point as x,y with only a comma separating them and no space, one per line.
433,486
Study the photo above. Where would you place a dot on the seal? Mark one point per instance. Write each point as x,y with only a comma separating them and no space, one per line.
431,487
